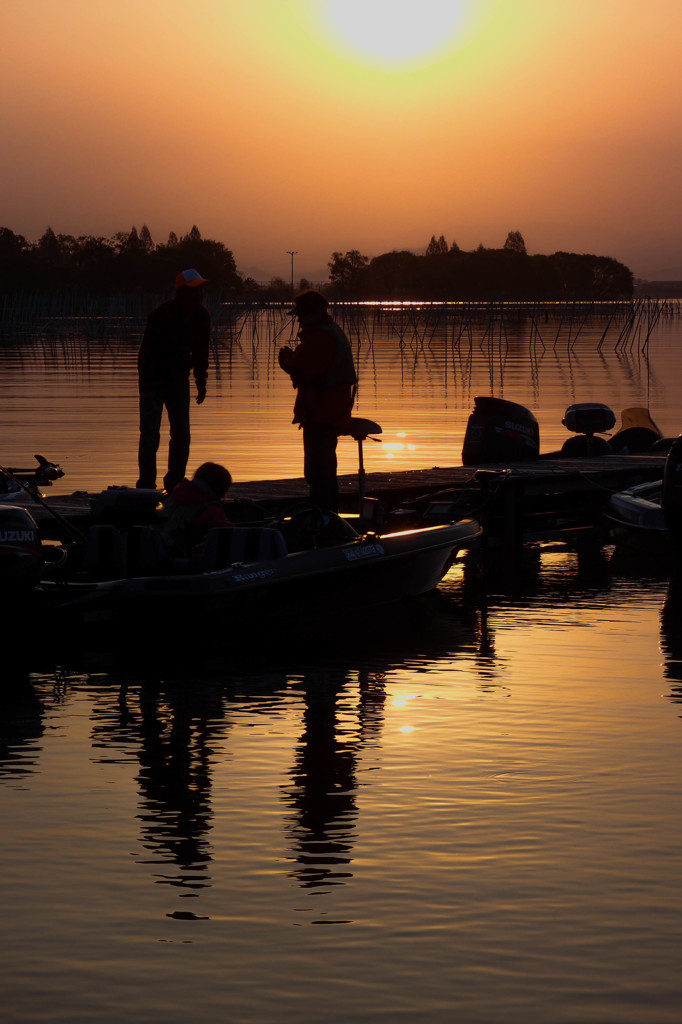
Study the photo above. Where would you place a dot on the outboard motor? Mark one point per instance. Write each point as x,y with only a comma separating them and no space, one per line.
671,494
585,421
21,553
500,431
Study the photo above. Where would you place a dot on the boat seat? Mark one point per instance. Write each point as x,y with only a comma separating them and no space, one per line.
633,440
360,429
227,545
585,445
147,555
105,555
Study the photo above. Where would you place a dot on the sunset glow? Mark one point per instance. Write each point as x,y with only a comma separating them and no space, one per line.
318,126
396,32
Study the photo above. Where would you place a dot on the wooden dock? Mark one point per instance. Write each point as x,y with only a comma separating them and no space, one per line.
514,502
542,499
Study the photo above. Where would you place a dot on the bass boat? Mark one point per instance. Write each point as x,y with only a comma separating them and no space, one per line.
647,518
302,567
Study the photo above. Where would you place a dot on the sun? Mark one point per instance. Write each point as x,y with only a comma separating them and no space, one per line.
396,31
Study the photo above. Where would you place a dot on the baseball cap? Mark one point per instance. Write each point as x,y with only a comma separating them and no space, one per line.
307,300
189,279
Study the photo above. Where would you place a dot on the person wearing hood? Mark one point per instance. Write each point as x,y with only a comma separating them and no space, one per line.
322,371
175,343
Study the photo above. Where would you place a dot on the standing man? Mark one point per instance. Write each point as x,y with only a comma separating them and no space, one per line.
322,371
175,343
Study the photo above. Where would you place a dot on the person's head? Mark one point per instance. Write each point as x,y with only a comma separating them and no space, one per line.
309,307
214,476
189,286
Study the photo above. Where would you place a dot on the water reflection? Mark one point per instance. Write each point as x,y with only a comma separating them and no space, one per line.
174,781
174,732
671,637
323,786
175,718
21,721
547,573
172,717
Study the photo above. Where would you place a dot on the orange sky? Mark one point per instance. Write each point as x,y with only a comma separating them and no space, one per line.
310,125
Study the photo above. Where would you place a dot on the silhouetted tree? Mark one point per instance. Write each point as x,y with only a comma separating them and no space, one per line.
52,260
146,239
346,271
515,242
436,247
490,274
93,264
394,274
48,246
127,262
591,277
278,290
131,266
15,260
130,262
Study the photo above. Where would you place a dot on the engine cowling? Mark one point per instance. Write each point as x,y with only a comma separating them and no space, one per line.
500,431
21,553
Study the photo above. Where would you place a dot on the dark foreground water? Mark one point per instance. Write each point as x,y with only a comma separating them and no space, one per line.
468,811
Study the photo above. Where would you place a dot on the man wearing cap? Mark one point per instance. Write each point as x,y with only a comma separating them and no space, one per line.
322,371
175,343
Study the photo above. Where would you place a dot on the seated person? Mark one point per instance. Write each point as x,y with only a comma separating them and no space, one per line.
194,506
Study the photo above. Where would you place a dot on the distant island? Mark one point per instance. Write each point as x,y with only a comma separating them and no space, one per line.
130,262
657,289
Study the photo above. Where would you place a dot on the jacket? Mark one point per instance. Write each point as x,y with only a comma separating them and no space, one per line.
175,342
322,371
192,509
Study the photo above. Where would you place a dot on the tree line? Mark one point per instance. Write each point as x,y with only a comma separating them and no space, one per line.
130,262
447,273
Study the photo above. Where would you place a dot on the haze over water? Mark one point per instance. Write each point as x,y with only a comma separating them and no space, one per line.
469,812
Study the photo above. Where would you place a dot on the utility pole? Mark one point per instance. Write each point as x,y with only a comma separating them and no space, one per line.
292,253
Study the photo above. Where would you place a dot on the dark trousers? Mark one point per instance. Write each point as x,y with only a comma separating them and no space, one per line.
319,465
175,399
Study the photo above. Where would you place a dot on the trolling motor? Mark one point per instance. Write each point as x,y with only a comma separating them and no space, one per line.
43,475
585,421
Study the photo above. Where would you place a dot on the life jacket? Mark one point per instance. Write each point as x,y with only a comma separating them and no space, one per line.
182,529
176,532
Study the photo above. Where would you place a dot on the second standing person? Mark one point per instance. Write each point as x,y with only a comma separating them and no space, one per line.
322,371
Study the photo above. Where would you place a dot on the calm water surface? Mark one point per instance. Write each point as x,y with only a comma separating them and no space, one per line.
76,400
470,812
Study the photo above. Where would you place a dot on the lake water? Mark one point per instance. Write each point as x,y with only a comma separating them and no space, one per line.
75,400
471,811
